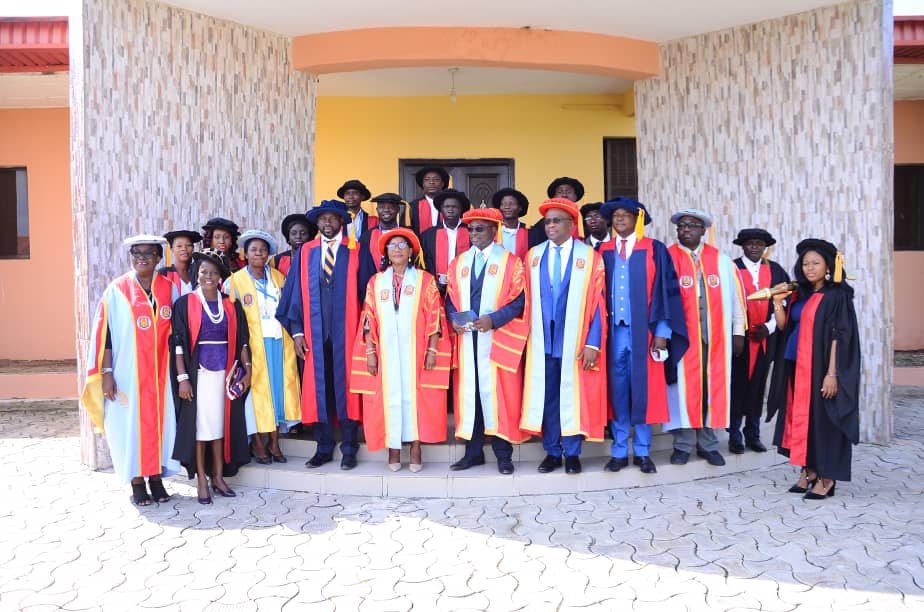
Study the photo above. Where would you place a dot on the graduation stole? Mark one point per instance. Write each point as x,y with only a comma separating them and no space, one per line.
194,316
577,322
151,329
757,309
500,348
425,218
795,433
522,242
443,256
374,236
690,368
173,276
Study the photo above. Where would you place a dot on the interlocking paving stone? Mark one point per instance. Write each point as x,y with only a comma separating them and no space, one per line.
72,540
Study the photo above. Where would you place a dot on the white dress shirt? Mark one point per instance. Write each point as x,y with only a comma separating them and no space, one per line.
325,245
434,214
738,316
630,243
451,235
594,242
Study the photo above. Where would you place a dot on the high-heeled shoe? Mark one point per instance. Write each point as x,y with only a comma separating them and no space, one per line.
223,493
811,483
416,466
828,493
394,460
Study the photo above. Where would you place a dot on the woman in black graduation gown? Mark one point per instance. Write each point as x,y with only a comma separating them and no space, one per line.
817,393
209,340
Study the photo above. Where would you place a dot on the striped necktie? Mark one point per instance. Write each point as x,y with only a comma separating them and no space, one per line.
329,262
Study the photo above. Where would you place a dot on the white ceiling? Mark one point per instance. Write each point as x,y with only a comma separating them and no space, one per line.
654,20
468,81
34,90
909,81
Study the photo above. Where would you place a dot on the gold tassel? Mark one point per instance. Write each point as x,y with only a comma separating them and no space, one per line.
168,255
838,267
766,254
712,235
581,228
640,224
352,244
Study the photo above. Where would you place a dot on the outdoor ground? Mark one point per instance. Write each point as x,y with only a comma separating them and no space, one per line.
70,539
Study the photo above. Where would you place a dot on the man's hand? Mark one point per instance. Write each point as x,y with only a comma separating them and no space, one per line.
372,364
589,358
484,323
658,344
459,329
186,390
300,346
738,345
758,332
109,386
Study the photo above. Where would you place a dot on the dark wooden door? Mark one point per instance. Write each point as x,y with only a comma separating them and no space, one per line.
620,165
478,178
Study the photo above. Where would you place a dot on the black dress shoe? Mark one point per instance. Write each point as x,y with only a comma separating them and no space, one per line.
616,463
679,457
467,462
572,465
318,460
756,445
645,464
549,464
504,466
348,462
735,448
712,457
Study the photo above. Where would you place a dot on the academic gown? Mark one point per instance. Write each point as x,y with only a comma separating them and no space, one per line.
140,423
654,295
301,310
281,261
187,321
751,367
419,217
434,244
174,277
583,407
496,356
811,430
403,402
370,262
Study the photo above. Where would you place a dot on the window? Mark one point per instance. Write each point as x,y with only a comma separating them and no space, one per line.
620,175
14,214
909,208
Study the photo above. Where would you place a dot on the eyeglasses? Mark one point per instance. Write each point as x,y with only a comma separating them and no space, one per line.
143,254
477,229
398,246
556,220
686,226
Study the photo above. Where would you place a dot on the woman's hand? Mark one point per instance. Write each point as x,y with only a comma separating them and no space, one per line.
245,382
109,386
779,297
430,360
829,386
372,364
186,390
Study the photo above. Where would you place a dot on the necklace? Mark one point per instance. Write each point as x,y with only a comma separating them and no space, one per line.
214,318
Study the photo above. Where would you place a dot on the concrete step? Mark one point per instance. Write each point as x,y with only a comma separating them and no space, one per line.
372,476
436,480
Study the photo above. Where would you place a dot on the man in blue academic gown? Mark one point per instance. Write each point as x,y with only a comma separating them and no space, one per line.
646,320
319,308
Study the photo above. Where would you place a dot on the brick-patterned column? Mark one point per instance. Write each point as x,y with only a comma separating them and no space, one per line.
176,117
787,124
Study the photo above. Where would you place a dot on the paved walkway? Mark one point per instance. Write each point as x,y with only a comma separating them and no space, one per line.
70,539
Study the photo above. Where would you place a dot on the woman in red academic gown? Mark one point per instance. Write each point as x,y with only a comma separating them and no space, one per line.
817,392
401,355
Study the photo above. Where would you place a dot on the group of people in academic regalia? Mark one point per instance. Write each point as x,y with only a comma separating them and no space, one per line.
388,323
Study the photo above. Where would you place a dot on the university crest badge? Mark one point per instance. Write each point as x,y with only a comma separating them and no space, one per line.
492,270
165,312
580,264
686,281
385,295
143,322
465,272
712,280
247,299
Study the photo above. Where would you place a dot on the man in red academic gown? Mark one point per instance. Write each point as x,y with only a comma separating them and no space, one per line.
442,243
421,214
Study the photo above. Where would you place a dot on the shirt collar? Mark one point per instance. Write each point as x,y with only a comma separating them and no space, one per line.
336,238
696,251
751,265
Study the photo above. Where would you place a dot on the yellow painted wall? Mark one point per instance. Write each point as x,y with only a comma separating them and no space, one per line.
546,136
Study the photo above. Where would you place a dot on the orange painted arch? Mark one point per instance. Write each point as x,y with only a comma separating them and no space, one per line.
523,48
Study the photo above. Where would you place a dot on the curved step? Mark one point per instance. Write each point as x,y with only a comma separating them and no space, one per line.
372,477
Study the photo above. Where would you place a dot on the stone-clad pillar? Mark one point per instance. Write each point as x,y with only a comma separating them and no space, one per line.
176,117
787,124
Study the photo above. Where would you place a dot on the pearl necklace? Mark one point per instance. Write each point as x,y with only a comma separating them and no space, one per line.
214,318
